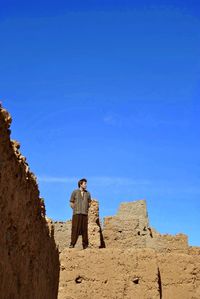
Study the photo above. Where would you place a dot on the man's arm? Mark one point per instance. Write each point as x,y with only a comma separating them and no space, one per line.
89,199
72,200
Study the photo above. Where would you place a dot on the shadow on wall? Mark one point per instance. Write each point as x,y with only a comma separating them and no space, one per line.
102,242
159,283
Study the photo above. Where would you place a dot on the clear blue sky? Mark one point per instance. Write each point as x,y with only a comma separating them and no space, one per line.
108,90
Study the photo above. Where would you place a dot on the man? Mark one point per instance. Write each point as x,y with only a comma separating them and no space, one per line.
80,201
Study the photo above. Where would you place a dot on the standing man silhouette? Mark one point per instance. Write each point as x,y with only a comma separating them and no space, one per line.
80,201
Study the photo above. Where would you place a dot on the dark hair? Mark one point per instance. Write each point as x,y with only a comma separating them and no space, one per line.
81,181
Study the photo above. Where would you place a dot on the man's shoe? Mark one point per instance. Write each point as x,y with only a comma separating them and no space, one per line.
71,246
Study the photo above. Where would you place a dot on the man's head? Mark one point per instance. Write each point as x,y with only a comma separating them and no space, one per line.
82,183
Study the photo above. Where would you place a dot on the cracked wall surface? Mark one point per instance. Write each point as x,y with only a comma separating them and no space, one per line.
29,259
128,274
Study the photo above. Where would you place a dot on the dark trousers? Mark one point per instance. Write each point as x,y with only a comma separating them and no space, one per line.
79,227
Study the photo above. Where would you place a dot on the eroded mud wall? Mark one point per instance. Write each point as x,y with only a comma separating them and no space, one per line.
29,261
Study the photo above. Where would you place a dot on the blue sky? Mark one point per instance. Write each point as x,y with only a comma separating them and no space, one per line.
107,90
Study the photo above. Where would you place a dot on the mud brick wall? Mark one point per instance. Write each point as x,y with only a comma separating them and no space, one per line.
29,260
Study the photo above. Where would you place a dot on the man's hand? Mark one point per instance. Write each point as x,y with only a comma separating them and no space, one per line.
72,204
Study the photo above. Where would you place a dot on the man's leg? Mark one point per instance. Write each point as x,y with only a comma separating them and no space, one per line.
75,229
85,231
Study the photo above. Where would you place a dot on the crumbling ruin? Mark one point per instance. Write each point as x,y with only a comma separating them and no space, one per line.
135,262
29,260
127,259
130,229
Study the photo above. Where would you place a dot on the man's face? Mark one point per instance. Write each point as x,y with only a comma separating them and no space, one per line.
84,185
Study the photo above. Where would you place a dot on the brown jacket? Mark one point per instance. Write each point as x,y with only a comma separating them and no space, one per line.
81,203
